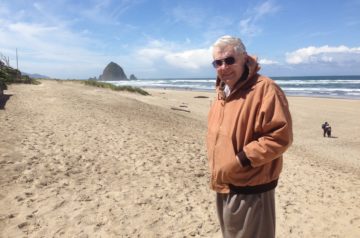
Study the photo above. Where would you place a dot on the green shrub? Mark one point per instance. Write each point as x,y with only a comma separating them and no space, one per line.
9,75
28,80
116,88
3,86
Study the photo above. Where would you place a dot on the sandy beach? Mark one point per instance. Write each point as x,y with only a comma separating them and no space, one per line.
80,161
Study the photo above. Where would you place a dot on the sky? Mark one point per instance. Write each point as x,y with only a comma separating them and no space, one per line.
68,39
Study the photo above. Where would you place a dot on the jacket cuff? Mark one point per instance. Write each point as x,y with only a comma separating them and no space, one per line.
243,159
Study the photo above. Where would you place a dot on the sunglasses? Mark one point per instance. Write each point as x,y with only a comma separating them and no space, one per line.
228,61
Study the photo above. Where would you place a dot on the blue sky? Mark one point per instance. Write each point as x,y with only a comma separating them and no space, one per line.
169,39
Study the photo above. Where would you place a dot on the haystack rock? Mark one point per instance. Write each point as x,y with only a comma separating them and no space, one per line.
113,72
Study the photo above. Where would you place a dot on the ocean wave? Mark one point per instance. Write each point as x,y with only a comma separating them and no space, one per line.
302,82
336,86
323,89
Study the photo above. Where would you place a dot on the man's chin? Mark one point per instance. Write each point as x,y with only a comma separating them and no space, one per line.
228,81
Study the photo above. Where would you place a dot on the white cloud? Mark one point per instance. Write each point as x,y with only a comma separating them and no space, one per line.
154,51
99,12
30,30
123,6
249,25
324,54
191,16
108,13
148,56
190,59
40,43
160,43
37,6
166,52
268,62
264,9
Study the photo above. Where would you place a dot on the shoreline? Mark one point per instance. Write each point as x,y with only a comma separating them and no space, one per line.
77,160
210,91
346,87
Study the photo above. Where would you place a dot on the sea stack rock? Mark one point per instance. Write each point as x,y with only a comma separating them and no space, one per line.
113,72
132,77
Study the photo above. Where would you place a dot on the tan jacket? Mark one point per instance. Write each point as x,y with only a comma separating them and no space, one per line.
254,123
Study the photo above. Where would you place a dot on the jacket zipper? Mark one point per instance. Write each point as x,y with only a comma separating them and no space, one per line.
222,104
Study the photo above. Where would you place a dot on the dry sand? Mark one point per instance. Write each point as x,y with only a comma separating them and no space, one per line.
78,161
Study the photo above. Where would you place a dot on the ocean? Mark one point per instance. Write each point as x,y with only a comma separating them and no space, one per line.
309,86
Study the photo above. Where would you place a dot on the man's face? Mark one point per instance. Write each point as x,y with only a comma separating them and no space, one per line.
229,74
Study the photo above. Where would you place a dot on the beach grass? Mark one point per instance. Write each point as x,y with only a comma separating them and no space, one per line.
115,88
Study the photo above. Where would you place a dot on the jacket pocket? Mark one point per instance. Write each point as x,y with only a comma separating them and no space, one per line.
228,167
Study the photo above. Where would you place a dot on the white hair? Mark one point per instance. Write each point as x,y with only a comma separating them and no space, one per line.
227,40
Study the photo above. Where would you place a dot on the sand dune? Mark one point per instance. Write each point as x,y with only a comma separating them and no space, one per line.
78,161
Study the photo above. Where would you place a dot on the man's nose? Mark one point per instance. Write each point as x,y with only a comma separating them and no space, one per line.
223,66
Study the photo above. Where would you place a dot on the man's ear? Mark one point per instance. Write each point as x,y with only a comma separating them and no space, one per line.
245,57
252,63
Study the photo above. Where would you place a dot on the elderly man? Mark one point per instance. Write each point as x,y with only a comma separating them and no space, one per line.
249,128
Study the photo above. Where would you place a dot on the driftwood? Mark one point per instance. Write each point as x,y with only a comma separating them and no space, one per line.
201,97
179,109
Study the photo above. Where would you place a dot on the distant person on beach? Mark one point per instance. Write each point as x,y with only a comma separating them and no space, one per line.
249,128
326,129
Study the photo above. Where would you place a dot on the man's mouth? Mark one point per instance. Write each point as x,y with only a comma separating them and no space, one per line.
227,75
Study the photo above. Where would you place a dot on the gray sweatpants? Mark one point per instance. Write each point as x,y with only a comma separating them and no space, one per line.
247,215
